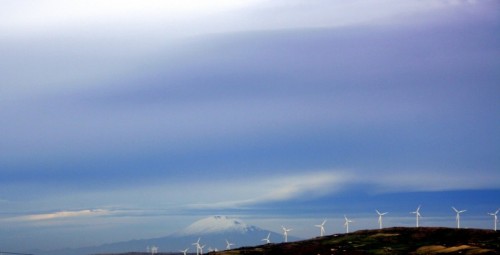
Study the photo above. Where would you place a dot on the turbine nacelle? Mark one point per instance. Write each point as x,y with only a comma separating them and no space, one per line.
457,211
381,214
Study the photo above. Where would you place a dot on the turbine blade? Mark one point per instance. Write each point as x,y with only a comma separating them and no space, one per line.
454,209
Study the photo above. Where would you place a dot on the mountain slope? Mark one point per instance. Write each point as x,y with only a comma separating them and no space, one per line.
212,232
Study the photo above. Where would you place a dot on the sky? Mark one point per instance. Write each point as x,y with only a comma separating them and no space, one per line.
131,119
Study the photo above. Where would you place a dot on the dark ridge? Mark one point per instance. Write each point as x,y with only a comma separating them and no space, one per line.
396,240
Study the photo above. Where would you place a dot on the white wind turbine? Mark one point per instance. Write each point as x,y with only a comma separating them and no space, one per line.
201,249
228,246
322,228
380,218
346,224
458,215
267,238
197,244
154,250
495,218
417,214
285,232
185,251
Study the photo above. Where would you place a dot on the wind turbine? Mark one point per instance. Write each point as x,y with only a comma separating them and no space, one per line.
267,238
458,215
285,232
197,244
228,246
417,214
380,218
154,250
346,224
185,251
495,218
201,249
322,228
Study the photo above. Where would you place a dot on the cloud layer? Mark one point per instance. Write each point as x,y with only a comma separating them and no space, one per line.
61,215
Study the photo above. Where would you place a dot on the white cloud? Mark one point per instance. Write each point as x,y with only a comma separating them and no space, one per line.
279,188
56,15
198,16
313,184
61,215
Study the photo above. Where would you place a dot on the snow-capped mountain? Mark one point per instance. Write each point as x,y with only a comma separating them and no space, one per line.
211,231
215,230
217,224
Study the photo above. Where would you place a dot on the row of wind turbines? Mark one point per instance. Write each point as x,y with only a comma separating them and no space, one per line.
199,247
457,217
380,214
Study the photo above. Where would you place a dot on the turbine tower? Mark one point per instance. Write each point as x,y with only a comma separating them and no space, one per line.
417,214
346,224
184,252
285,233
495,218
228,246
458,215
380,218
322,228
267,238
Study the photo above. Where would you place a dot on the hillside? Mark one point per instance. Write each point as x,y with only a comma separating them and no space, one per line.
396,240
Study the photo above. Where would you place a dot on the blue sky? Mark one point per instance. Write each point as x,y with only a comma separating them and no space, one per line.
125,115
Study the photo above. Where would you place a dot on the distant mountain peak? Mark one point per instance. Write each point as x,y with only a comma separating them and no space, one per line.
216,224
